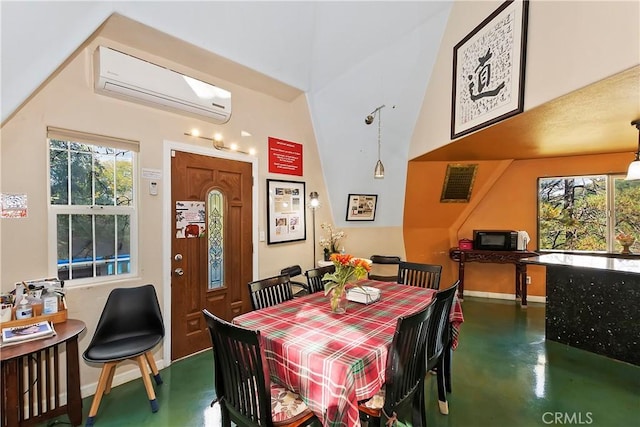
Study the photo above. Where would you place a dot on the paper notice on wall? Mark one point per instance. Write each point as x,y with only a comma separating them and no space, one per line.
285,157
190,219
13,205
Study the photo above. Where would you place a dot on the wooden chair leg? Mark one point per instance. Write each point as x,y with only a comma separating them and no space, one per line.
147,382
105,374
112,372
152,365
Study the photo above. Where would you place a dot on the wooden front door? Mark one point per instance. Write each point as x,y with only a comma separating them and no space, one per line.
211,245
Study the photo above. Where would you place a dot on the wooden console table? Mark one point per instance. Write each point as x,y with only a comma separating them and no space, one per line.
499,257
31,378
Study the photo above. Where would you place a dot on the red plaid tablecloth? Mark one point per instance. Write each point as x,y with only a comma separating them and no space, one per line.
335,360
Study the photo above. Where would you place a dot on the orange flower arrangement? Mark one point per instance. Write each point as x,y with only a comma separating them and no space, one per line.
625,239
348,269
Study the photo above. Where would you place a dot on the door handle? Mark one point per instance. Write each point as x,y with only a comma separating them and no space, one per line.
178,271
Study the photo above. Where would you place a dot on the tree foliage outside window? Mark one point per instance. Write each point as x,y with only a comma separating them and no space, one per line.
585,213
92,198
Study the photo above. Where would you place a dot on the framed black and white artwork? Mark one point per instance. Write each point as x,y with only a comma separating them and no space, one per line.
489,70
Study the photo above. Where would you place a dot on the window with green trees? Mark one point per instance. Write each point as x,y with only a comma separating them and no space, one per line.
92,206
587,213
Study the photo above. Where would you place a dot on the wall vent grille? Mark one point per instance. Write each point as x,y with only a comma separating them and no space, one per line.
458,183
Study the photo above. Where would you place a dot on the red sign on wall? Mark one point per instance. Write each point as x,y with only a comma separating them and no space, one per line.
285,157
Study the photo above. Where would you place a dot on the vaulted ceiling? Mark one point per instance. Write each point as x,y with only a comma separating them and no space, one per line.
347,57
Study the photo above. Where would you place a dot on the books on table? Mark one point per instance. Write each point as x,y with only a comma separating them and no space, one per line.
20,334
363,294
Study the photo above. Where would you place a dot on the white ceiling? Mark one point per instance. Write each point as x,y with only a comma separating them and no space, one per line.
348,57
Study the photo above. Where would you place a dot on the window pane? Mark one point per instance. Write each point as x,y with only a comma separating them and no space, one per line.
81,238
572,213
215,203
123,248
104,175
105,243
63,246
77,146
627,212
81,172
59,176
124,178
56,143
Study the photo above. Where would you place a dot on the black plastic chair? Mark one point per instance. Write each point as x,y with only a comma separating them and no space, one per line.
293,271
315,275
439,343
267,292
130,326
243,389
402,396
417,274
386,261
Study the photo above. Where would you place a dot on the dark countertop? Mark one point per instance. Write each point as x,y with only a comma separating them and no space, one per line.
586,261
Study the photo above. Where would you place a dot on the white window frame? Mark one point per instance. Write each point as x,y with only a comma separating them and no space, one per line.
55,210
609,212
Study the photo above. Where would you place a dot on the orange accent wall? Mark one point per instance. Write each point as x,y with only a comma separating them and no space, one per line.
504,196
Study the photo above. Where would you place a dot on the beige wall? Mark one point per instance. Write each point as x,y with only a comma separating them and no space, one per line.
68,101
570,44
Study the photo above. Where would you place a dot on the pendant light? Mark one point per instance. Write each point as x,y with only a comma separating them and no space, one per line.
378,172
634,168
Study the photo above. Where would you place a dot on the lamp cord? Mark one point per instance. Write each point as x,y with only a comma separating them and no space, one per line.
379,124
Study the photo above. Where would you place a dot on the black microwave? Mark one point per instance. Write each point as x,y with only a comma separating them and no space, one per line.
495,240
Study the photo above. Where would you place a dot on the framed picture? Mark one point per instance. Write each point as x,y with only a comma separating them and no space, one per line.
361,207
488,70
286,213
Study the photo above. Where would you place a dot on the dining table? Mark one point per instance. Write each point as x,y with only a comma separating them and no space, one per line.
333,361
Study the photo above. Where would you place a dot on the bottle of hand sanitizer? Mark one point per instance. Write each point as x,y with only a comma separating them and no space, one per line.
49,302
24,310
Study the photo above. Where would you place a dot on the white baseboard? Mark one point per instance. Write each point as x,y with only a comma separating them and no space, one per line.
497,295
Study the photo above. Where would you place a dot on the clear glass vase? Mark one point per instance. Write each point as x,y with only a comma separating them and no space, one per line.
338,300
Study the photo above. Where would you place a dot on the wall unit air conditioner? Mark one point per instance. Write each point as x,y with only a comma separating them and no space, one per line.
126,77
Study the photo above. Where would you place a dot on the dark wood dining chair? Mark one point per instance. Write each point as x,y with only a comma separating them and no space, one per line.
267,292
383,268
401,398
438,352
243,390
417,274
297,287
315,275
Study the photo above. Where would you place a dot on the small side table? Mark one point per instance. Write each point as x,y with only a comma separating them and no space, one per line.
498,257
31,378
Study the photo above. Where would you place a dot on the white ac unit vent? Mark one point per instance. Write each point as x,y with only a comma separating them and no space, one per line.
127,77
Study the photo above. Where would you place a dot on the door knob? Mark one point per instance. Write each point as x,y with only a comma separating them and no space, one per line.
178,257
178,271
